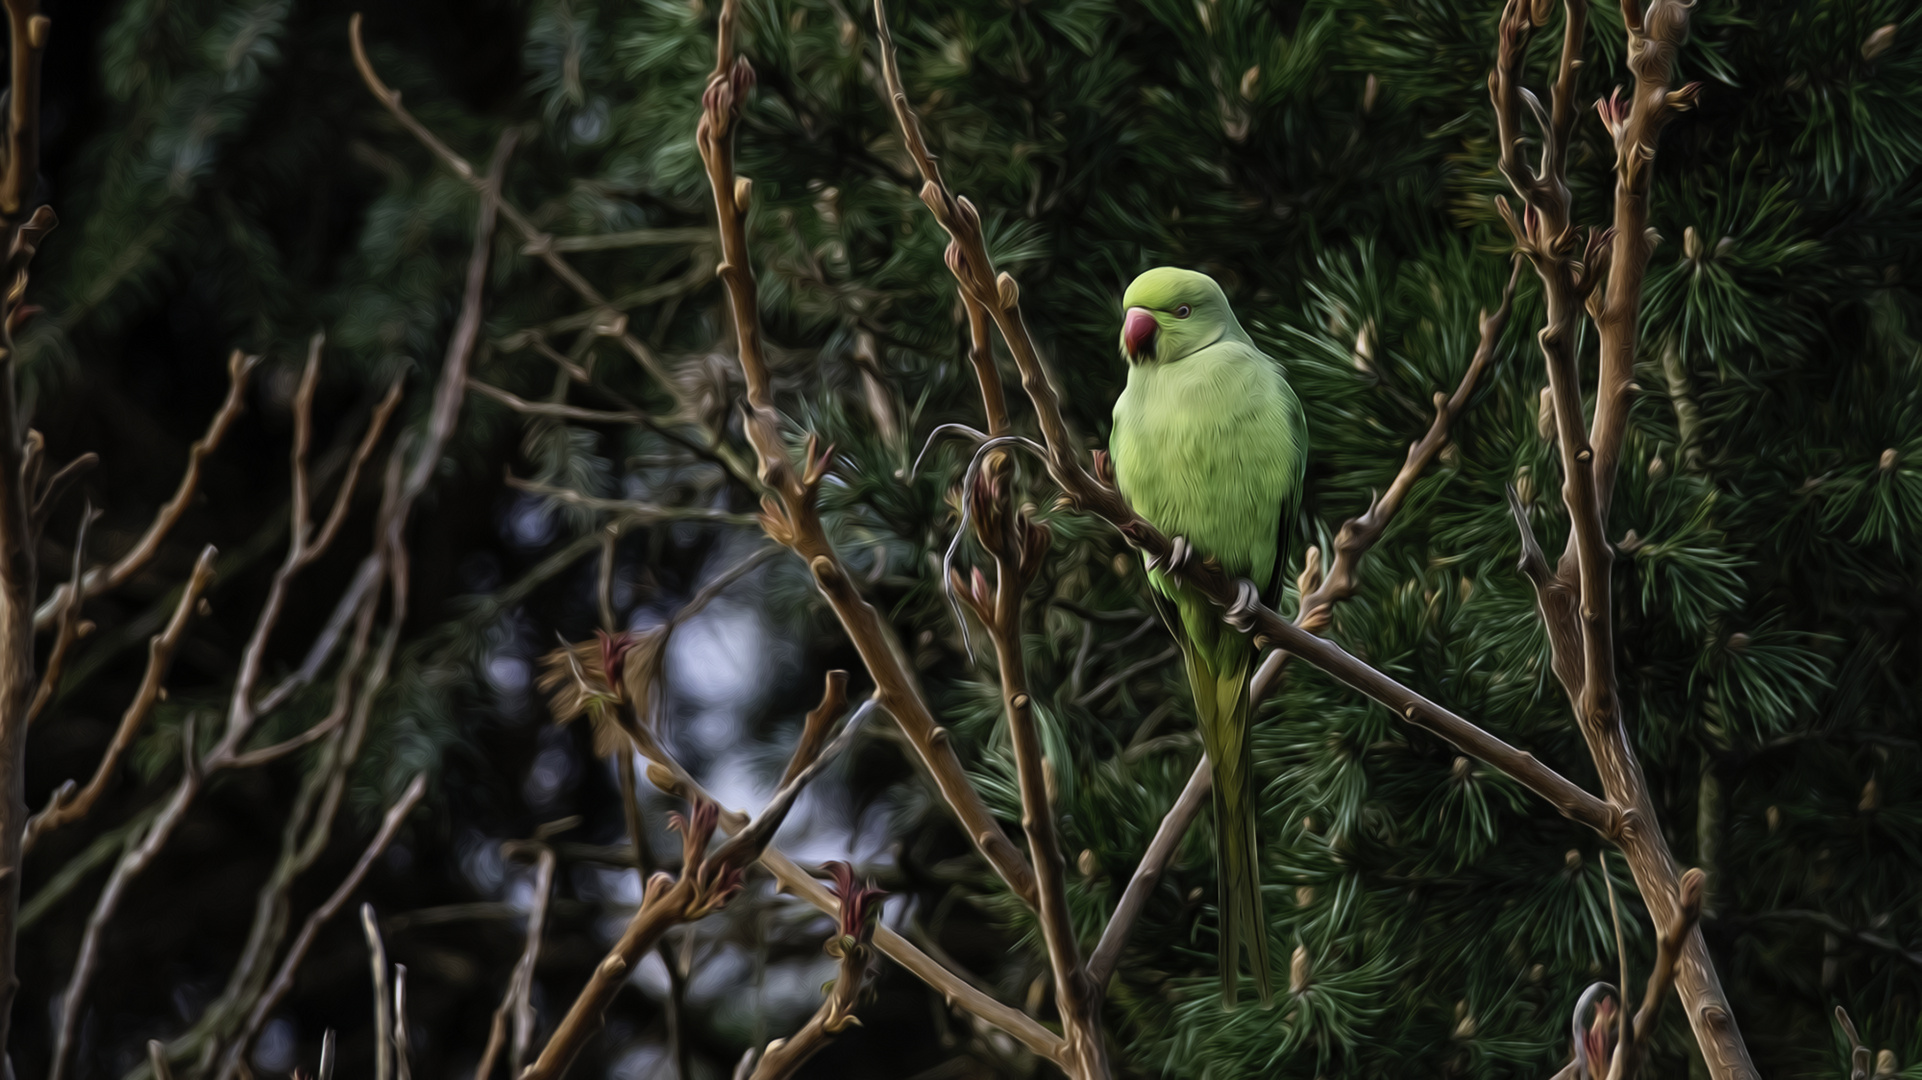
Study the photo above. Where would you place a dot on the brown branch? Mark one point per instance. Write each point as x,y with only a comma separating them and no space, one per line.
1653,44
994,401
852,946
820,720
284,978
1575,603
104,579
27,30
383,1004
71,626
953,987
1359,534
19,468
708,880
1668,955
387,562
790,514
1019,547
630,509
66,806
558,410
1161,851
518,1004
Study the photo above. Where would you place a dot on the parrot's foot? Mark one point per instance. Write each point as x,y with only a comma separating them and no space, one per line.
1180,554
1241,614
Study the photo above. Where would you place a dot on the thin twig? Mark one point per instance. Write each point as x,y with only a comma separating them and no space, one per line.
70,624
630,510
538,244
851,945
707,881
1019,547
790,514
953,986
518,1003
383,1004
1668,955
66,806
284,979
403,1054
1161,851
1576,604
1621,950
103,579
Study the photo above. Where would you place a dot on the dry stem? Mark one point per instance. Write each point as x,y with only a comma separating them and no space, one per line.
1576,599
1155,860
859,907
101,580
66,806
284,978
790,515
707,881
518,1004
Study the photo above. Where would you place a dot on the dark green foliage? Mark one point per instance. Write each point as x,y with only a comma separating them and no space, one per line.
1331,163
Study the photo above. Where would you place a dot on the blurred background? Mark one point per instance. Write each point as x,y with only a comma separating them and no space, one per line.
225,181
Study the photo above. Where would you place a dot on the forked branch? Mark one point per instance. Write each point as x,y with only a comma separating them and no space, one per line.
789,512
707,881
107,578
68,805
851,945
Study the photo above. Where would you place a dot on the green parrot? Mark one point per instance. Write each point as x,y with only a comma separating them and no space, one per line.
1209,445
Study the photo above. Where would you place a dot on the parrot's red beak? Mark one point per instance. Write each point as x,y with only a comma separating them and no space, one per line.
1138,333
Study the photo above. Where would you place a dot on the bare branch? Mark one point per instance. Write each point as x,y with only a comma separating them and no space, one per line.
383,1004
518,1004
671,778
27,30
284,978
56,485
708,880
1359,534
403,1054
820,720
1161,851
860,905
66,806
71,625
1668,954
629,509
104,579
539,244
1019,547
557,410
790,515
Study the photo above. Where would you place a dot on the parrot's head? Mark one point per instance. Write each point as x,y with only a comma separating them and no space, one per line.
1172,314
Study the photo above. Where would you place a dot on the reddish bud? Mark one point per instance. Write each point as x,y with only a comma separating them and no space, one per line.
860,904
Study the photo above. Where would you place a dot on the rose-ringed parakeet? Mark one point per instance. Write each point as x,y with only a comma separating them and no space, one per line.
1208,446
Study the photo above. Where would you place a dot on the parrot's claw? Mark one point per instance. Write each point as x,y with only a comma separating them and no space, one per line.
1179,554
1241,614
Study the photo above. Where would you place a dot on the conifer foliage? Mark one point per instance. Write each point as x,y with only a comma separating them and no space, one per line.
827,293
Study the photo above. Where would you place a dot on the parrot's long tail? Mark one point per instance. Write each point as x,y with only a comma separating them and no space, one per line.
1220,685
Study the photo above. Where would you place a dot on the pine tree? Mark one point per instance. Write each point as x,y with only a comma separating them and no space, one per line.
1334,165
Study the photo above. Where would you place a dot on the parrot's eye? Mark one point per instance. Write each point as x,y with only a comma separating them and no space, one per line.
1183,312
